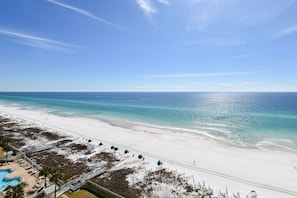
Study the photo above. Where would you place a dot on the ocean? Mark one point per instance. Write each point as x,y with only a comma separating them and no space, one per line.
251,120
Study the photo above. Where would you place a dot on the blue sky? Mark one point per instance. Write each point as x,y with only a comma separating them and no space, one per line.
148,45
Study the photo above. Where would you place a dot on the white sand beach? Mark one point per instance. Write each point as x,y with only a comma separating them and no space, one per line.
272,174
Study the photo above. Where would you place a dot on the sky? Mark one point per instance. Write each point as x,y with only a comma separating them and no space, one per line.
148,45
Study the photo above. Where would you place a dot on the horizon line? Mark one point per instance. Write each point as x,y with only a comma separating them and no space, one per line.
172,91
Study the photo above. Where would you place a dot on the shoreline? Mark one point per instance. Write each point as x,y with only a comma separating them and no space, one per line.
270,143
219,165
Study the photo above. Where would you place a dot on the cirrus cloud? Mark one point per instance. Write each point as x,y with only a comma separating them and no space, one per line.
197,75
36,41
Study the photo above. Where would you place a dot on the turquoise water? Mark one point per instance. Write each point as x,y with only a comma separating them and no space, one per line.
242,119
5,182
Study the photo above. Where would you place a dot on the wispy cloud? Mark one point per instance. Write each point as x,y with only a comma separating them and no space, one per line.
38,42
205,14
285,32
242,56
197,75
87,14
166,2
144,87
249,83
227,85
222,41
147,7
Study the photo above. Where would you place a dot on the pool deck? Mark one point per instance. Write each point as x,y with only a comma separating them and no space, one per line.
22,170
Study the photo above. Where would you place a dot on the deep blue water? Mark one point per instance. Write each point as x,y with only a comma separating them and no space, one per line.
243,119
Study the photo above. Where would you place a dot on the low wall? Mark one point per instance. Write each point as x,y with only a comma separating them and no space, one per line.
100,191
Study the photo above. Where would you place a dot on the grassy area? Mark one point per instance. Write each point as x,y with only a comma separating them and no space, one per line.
80,194
61,164
1,152
116,182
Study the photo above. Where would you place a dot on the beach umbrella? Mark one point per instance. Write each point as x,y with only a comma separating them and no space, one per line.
159,162
126,151
112,147
140,156
116,148
100,144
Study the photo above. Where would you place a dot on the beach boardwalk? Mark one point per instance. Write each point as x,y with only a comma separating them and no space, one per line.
77,183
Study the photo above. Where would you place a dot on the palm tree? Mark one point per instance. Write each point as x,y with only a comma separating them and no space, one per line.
45,171
56,176
16,191
4,140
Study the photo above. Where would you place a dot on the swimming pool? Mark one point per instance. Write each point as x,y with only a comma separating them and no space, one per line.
5,182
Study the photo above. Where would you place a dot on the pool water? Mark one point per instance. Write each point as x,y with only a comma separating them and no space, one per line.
5,182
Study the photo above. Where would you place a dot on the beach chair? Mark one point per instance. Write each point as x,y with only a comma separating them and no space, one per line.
32,190
25,164
33,172
36,186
